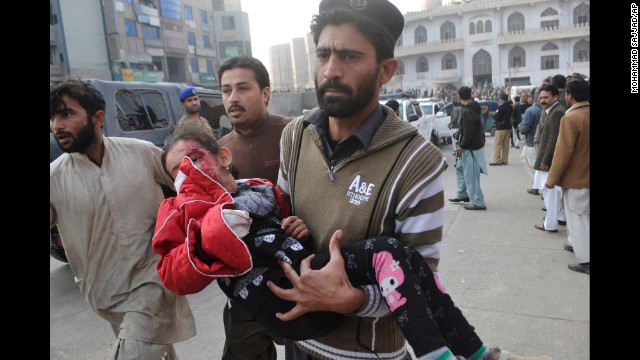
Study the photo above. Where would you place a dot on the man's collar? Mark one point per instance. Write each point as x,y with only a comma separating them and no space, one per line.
548,110
258,125
364,132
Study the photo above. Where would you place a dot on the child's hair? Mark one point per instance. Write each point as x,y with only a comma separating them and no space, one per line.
189,131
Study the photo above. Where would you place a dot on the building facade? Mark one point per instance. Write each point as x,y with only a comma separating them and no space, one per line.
281,68
77,43
234,37
146,40
492,43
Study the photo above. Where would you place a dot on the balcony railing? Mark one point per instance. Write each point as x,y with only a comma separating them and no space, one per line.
542,34
466,7
429,47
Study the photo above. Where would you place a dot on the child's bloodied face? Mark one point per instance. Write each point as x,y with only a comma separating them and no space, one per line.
201,158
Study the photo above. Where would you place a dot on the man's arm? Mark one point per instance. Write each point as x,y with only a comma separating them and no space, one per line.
554,130
527,121
565,146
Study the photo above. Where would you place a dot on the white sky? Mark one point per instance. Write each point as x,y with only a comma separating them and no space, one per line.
275,22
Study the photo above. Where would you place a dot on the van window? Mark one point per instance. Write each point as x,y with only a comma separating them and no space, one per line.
211,111
141,109
410,110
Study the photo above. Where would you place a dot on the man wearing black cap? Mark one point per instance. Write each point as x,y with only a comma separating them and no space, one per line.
354,165
191,105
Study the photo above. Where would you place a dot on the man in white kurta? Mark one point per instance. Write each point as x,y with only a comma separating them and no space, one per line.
104,195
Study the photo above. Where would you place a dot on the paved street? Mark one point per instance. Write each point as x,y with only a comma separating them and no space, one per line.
509,279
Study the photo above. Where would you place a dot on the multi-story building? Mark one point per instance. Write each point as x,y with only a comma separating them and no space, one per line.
281,68
291,65
492,43
311,56
146,40
300,63
232,27
77,43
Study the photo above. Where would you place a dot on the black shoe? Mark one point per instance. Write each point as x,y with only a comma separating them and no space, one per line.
560,222
473,207
581,267
494,164
542,228
456,200
568,247
544,209
533,191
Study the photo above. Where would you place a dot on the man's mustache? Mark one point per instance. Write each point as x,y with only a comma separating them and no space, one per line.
236,107
62,134
333,85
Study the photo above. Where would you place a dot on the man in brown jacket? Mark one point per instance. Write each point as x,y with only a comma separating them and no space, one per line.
255,146
571,170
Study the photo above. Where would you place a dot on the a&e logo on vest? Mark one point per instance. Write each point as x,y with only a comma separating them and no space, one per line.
359,191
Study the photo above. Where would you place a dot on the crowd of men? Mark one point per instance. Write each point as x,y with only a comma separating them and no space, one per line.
105,194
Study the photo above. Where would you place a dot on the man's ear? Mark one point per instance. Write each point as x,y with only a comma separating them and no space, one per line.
387,70
225,156
266,95
98,119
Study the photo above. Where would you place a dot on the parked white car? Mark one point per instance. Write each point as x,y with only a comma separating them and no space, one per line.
410,110
442,120
430,107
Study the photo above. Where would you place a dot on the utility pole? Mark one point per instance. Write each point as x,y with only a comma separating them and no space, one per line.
509,66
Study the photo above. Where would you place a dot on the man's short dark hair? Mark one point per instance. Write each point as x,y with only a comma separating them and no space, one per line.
550,88
504,97
82,91
393,104
246,62
465,93
559,81
579,90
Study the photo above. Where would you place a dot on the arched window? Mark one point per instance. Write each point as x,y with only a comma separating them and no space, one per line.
449,62
581,14
480,27
549,19
517,57
422,65
447,31
420,35
581,52
487,26
481,63
400,70
472,28
515,22
551,57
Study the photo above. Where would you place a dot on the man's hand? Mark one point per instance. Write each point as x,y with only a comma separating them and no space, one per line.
544,167
458,152
326,289
549,186
294,226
